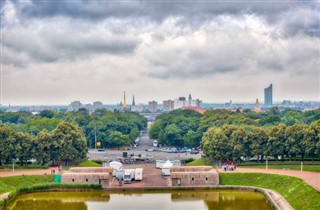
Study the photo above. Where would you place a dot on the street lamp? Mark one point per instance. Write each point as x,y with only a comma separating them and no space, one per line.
95,136
12,164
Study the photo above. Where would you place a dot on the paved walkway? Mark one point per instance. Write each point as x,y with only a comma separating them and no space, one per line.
312,178
28,172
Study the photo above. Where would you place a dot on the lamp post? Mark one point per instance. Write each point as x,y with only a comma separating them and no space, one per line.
95,136
266,162
12,164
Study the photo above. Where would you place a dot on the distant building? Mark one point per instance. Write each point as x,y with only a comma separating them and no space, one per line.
124,101
257,106
74,106
153,105
180,102
268,96
168,105
133,102
137,108
97,105
189,100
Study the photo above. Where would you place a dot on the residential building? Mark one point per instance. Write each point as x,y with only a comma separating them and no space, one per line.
168,105
153,105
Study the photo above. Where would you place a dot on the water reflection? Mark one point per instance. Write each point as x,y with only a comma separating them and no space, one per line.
184,200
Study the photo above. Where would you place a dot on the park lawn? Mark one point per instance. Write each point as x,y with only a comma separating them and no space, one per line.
297,192
89,163
313,168
200,162
11,184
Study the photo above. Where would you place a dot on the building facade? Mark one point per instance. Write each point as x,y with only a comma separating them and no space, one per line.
153,106
168,105
268,96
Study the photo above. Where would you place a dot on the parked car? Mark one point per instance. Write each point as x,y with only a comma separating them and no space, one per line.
194,151
150,150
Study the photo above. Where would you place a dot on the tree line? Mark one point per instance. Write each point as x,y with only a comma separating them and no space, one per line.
230,142
65,143
111,129
177,128
226,135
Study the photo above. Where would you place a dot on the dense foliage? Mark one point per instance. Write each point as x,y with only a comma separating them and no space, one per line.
231,135
101,122
65,143
238,142
52,136
177,128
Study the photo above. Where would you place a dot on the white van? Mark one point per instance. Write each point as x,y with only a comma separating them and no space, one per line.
138,174
128,176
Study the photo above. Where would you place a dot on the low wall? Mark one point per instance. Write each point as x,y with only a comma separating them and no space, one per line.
91,170
193,176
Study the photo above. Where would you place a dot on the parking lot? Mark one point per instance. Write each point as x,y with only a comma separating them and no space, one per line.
145,143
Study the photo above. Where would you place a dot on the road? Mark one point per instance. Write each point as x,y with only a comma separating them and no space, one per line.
145,143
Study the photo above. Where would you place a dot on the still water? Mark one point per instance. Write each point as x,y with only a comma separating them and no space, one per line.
183,200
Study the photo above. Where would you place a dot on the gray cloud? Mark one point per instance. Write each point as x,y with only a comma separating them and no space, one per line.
46,45
289,14
157,48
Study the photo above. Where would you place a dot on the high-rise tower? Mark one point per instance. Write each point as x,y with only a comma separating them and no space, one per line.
189,100
268,96
133,102
124,101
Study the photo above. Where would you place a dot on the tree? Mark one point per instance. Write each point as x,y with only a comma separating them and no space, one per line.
295,135
192,139
259,139
7,137
47,113
72,142
117,139
23,147
34,126
312,139
215,144
276,141
43,144
172,135
240,144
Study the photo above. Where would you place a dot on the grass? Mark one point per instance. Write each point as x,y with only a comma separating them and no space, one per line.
298,193
25,184
200,162
89,163
11,184
313,168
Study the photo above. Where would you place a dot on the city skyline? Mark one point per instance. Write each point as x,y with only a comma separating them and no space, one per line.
53,54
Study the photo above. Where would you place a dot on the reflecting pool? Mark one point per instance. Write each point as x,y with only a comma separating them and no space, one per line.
175,200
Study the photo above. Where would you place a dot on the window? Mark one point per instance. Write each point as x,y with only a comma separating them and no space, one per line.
192,178
206,178
72,180
86,180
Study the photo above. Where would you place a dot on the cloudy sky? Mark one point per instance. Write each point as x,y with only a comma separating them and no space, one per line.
55,52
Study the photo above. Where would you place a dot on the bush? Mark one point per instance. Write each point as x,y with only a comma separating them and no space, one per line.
187,160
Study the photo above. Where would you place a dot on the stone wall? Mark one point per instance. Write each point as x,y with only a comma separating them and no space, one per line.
88,175
194,176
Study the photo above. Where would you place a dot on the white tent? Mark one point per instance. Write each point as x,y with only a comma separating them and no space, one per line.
166,168
115,165
168,164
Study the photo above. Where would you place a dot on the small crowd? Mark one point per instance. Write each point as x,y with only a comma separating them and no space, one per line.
229,166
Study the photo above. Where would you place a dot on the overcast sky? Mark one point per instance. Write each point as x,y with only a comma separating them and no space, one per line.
55,52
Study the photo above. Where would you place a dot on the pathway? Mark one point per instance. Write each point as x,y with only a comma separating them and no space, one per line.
28,172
